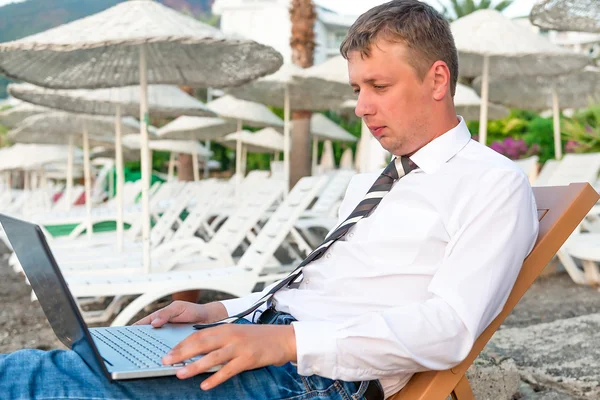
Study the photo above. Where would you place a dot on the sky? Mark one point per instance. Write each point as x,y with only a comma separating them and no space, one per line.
517,9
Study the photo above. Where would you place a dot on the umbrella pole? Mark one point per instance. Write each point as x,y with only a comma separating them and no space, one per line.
26,183
245,160
145,160
196,167
120,178
87,175
206,171
69,189
556,123
238,160
315,154
171,172
483,110
286,140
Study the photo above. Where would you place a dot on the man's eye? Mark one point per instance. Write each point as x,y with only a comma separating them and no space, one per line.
379,87
356,91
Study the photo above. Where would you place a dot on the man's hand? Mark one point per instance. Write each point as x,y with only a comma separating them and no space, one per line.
239,347
181,312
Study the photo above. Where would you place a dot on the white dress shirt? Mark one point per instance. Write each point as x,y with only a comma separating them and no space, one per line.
412,286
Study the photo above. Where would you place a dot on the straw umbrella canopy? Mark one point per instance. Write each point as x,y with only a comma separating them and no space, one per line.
567,15
490,44
266,140
163,100
285,88
33,156
192,147
136,42
26,155
536,93
327,79
244,112
62,127
322,128
196,128
12,117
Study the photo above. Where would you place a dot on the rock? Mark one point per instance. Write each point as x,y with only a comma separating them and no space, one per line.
4,249
563,354
528,392
493,377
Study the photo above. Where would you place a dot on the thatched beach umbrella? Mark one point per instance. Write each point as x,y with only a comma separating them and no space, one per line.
192,147
491,45
12,117
243,112
163,100
62,128
286,88
136,42
567,15
266,140
537,93
322,128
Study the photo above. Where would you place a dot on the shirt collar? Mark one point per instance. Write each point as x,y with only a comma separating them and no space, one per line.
436,153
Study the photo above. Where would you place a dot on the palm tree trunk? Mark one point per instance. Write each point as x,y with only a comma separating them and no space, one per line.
302,42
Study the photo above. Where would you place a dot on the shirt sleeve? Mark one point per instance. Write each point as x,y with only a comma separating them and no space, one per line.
496,229
236,306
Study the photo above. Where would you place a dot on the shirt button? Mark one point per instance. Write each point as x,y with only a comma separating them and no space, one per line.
350,235
328,255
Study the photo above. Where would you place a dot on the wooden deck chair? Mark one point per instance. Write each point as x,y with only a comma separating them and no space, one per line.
560,210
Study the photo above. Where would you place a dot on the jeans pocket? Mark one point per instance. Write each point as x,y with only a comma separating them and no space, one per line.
361,389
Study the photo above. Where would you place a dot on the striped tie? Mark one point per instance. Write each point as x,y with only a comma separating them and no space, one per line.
395,170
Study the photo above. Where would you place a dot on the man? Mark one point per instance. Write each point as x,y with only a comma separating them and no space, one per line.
426,261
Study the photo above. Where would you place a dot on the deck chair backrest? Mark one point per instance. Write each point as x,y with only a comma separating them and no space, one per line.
281,222
172,213
166,191
248,214
576,168
335,189
529,165
62,204
560,210
207,199
546,173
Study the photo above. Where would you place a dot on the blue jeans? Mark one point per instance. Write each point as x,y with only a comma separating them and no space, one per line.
60,374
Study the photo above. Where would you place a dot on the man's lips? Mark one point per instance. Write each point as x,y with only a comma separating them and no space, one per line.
376,130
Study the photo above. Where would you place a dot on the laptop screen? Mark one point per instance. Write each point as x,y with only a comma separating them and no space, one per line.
49,286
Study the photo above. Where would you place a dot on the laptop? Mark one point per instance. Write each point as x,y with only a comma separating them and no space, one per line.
119,353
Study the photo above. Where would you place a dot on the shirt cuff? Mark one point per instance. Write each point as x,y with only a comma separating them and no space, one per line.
235,306
315,348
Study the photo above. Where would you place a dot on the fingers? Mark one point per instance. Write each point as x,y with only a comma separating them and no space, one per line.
212,359
162,316
197,343
230,369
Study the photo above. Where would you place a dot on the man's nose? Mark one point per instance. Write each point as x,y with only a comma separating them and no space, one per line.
364,106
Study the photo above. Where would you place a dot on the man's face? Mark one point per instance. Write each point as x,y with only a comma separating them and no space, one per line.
392,99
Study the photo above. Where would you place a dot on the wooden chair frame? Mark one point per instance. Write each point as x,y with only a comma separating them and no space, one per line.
560,210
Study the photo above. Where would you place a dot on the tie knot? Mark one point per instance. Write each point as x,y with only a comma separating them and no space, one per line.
399,167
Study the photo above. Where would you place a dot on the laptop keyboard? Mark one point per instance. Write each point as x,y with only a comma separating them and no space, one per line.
137,346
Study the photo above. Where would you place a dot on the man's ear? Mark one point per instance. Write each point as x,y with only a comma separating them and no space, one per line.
441,79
